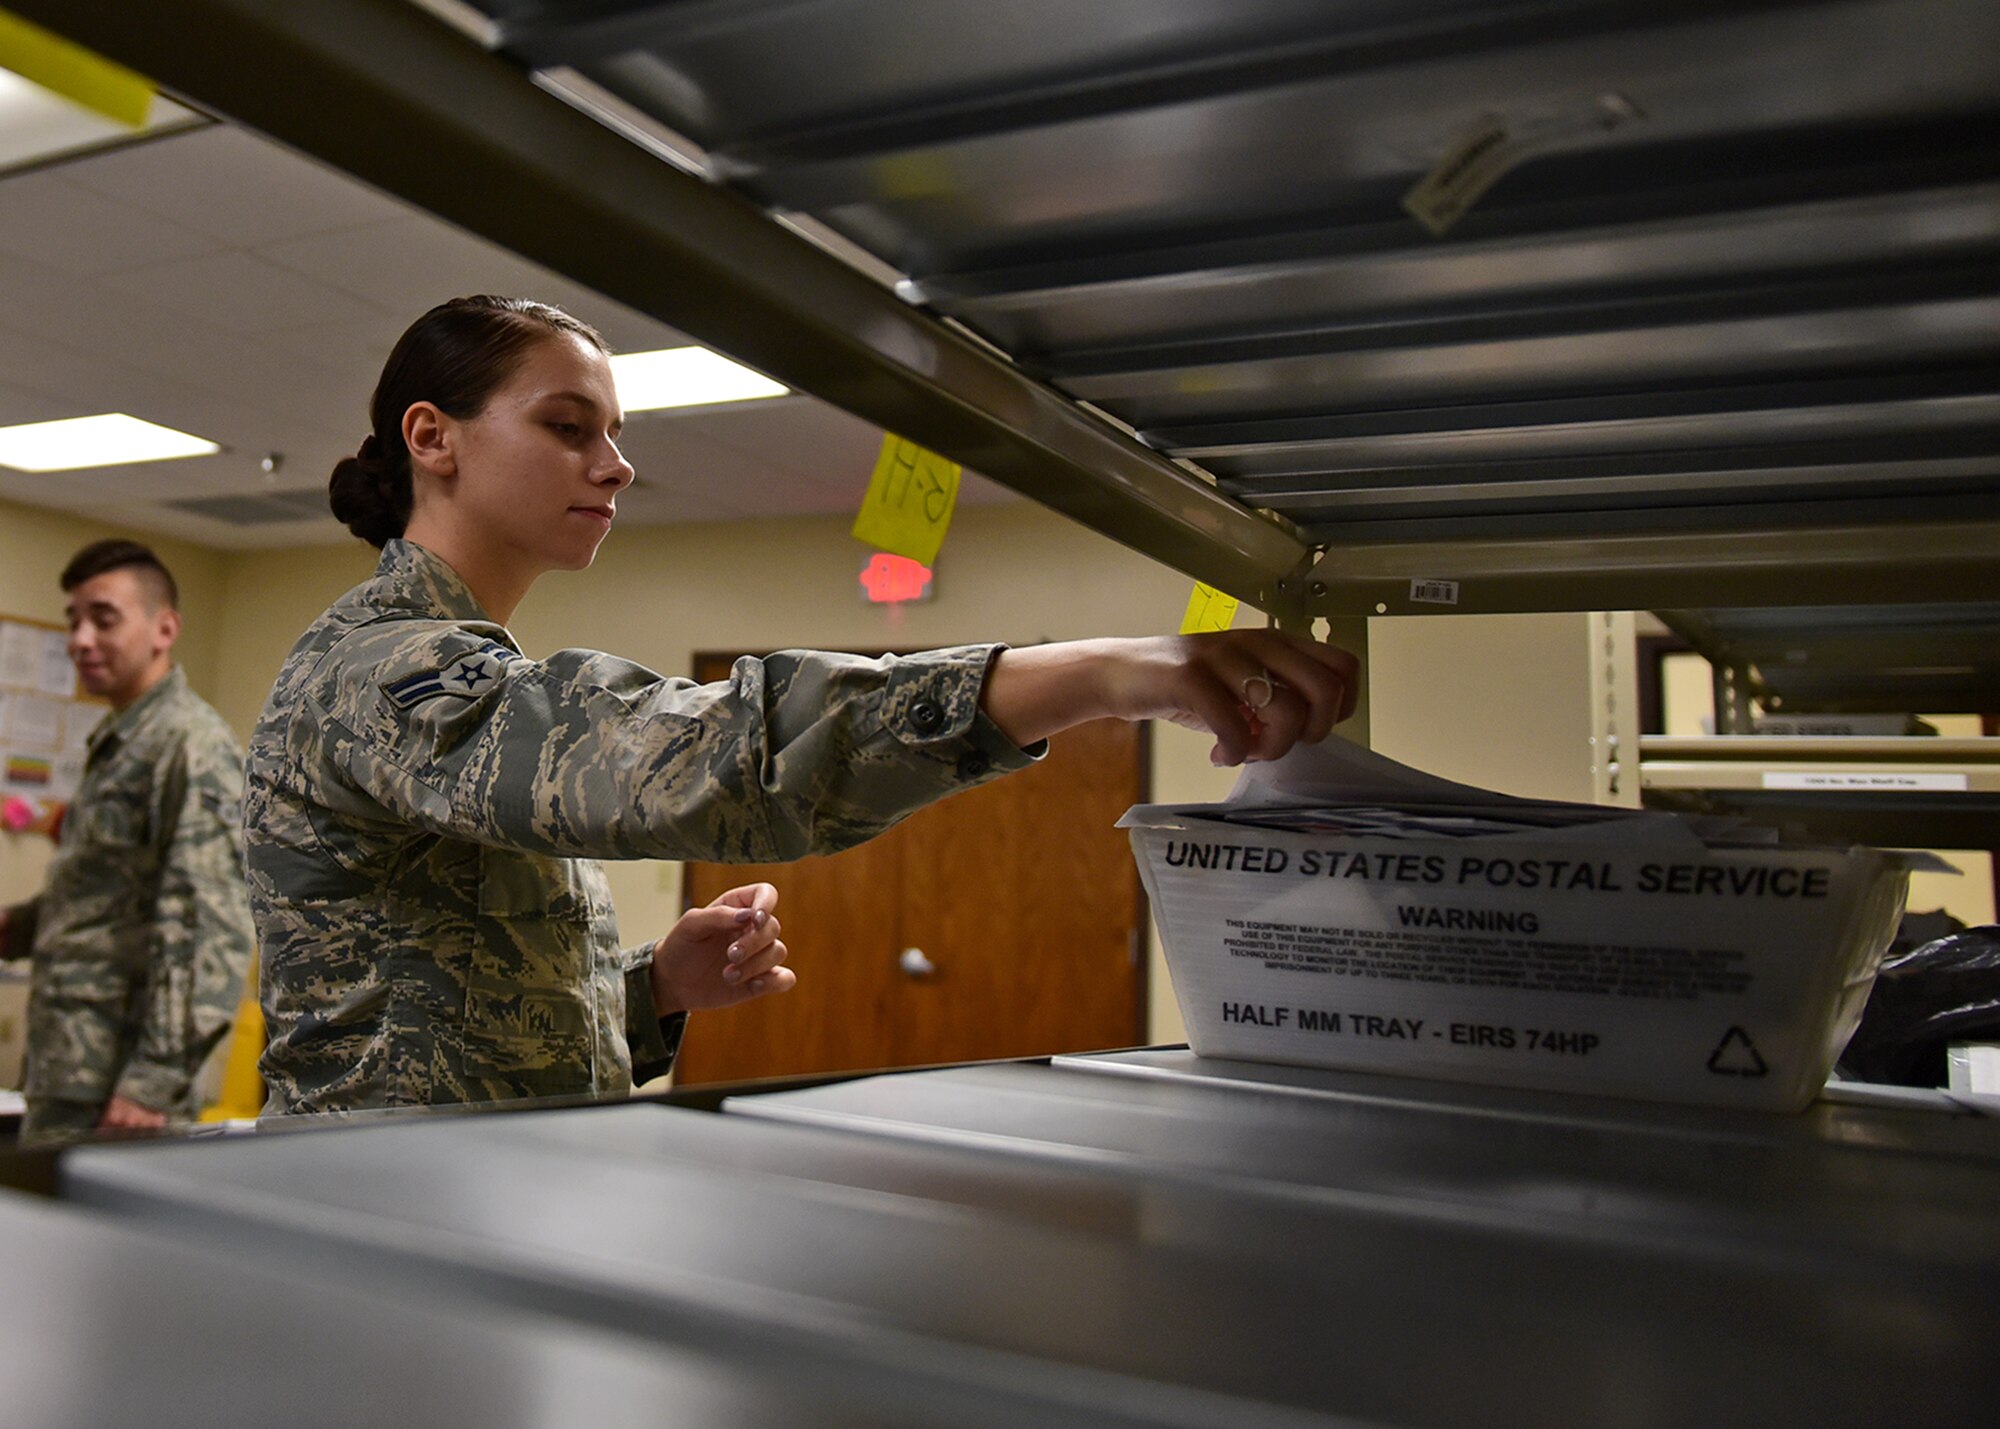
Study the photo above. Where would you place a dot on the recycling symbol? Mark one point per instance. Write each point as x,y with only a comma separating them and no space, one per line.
1736,1056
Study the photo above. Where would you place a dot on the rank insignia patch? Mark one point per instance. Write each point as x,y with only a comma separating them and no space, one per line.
466,676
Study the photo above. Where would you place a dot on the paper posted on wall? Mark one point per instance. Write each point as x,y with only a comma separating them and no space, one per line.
1343,910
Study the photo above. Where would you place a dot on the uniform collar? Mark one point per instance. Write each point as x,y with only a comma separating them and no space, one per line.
410,577
120,722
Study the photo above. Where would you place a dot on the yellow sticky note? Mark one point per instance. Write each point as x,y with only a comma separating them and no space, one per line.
68,69
1208,609
910,500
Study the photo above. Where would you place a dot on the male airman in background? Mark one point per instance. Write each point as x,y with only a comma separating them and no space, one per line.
142,936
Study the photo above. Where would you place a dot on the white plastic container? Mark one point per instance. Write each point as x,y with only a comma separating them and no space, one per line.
1622,959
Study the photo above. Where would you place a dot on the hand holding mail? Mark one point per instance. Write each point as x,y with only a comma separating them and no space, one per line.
726,953
1258,691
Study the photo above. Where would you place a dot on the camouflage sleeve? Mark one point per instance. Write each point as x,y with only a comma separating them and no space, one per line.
201,936
585,754
655,1041
17,940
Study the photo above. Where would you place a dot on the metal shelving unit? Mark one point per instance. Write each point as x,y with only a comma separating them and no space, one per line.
1874,659
1905,792
1725,335
1868,659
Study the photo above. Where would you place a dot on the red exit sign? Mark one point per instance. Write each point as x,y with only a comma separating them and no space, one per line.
894,580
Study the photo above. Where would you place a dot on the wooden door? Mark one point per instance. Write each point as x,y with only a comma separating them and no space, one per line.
1020,894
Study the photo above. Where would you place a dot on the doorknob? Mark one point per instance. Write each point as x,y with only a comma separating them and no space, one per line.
915,964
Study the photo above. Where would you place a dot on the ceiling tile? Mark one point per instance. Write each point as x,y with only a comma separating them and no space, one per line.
46,218
19,404
977,490
238,292
233,186
217,284
407,268
353,351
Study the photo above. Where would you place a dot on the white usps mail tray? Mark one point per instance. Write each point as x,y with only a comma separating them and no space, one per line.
1619,956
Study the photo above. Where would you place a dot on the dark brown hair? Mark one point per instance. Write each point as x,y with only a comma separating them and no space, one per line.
99,557
455,356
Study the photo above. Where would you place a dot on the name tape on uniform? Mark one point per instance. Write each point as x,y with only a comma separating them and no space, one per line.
70,70
1208,609
910,501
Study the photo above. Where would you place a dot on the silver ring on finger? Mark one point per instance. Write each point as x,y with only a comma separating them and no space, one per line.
1261,688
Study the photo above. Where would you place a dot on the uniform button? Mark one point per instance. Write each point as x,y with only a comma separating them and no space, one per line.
926,716
974,765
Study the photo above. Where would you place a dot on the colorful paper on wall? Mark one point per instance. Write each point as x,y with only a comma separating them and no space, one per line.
30,771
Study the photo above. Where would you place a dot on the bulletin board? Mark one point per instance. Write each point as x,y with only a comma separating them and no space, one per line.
45,718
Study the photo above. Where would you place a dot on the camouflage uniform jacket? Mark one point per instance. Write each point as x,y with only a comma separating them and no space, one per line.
423,802
142,935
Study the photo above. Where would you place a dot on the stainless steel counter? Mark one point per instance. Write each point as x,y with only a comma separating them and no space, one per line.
107,1324
1157,1240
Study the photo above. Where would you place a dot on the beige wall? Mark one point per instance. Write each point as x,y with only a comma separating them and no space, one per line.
1501,701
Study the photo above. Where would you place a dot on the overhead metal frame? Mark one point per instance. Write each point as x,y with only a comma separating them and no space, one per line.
1867,659
1744,297
1728,335
393,97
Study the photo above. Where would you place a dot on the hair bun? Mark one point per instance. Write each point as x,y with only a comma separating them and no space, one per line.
363,497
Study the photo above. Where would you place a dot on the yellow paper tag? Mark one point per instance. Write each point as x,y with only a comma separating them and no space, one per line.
1208,609
68,69
910,500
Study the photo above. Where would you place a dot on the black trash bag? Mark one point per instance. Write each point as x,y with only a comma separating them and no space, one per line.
1916,929
1945,991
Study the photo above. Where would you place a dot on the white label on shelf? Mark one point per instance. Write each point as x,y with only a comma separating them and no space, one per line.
1830,779
1434,592
1465,171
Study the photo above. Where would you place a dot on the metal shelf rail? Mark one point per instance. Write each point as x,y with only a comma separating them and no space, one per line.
1912,792
1727,333
1870,659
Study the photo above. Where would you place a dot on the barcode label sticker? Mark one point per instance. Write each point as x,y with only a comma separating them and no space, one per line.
1844,779
1434,592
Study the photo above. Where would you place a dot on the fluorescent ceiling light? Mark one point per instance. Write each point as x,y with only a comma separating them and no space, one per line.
36,124
112,439
686,377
